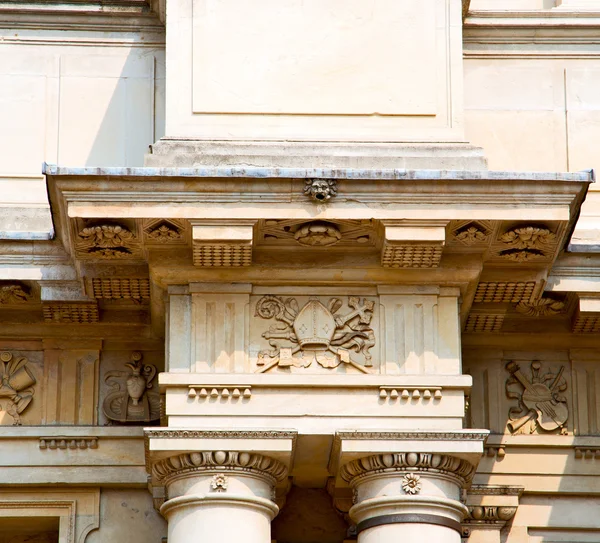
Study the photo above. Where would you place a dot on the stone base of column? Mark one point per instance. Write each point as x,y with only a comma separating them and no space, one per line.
188,153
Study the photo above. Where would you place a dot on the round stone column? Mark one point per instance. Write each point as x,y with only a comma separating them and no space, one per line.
219,497
408,497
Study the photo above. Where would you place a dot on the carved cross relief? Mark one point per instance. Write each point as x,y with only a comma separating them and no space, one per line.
319,333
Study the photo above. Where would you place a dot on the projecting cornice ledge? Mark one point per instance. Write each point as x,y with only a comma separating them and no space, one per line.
380,194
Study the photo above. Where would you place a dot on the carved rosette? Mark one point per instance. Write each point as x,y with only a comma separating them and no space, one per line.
409,462
220,463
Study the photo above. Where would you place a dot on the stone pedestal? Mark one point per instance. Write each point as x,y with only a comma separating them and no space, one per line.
220,496
408,497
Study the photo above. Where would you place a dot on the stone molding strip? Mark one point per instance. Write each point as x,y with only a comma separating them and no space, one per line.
382,520
408,461
219,461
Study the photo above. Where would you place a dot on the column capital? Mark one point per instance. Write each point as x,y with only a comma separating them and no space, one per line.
221,462
410,462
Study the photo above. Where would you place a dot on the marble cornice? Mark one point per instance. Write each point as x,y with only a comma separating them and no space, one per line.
201,194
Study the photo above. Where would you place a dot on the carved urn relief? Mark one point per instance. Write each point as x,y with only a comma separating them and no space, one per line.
132,399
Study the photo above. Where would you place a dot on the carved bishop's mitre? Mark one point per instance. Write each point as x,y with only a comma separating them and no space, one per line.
314,326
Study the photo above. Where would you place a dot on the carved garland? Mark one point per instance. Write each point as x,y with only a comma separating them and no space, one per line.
411,461
220,461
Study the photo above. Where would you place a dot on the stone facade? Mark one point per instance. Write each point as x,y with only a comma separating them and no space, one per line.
330,276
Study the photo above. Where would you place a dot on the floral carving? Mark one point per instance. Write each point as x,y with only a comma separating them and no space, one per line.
524,255
16,388
411,483
320,190
164,234
131,399
541,406
470,235
219,482
528,237
318,233
13,294
315,332
107,241
544,307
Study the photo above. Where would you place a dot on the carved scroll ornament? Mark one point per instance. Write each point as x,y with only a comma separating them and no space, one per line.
131,399
16,388
316,333
541,406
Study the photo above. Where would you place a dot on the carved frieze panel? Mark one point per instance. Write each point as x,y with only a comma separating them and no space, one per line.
540,395
321,333
341,233
519,395
134,398
17,387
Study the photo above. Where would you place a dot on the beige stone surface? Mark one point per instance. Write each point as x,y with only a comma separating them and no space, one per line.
128,513
353,44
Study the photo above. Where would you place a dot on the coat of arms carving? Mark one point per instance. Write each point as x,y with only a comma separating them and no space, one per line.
541,406
316,333
131,399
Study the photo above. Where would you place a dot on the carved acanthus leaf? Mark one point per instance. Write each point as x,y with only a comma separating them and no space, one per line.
544,307
470,235
528,237
13,294
106,241
164,234
522,255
